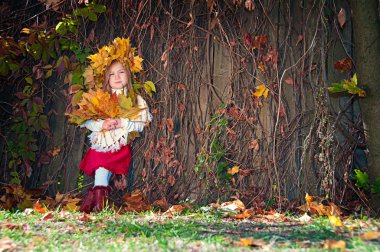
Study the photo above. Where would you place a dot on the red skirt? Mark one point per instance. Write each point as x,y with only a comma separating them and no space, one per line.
117,162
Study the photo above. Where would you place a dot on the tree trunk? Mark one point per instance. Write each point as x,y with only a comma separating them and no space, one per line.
367,50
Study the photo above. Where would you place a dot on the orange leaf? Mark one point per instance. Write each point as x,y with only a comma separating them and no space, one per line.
175,209
243,215
371,235
47,216
251,242
37,207
331,244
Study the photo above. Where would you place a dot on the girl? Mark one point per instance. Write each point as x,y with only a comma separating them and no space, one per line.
110,150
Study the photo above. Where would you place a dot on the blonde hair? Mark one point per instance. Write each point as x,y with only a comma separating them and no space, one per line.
107,87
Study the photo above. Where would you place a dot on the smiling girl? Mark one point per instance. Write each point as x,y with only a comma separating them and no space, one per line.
110,151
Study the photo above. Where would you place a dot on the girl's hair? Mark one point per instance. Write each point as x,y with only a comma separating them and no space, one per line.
107,87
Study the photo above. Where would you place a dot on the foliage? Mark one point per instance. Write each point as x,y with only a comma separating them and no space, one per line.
211,160
362,182
40,52
351,86
97,104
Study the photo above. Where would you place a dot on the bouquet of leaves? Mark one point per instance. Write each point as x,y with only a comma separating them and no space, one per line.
97,104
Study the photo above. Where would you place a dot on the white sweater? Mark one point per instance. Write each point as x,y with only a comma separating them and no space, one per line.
113,140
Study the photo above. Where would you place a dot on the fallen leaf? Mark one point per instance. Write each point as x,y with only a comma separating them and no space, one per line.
10,226
72,204
251,242
234,206
162,203
7,244
86,218
135,202
37,207
335,221
47,216
243,215
331,244
370,235
175,209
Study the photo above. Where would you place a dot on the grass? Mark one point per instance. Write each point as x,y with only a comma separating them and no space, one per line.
191,231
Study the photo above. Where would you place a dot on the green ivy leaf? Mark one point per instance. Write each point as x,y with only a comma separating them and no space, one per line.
92,16
29,80
361,179
99,8
375,187
61,28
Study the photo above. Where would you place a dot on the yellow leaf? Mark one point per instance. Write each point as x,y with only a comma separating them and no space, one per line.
371,235
251,242
246,241
335,221
262,90
233,170
25,30
72,205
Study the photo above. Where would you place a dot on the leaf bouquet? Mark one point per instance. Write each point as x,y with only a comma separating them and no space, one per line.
98,104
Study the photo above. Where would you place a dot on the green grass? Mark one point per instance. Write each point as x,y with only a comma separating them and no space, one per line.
109,231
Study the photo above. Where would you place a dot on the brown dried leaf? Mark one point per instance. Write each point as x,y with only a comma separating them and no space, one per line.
162,204
341,17
254,145
37,207
289,81
175,209
47,216
331,244
171,180
170,124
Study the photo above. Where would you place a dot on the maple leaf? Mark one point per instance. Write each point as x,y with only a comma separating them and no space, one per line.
97,104
262,90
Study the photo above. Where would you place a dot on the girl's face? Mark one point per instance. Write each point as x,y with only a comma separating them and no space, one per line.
118,76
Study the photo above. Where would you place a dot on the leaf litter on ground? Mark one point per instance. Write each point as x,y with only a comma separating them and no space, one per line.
322,225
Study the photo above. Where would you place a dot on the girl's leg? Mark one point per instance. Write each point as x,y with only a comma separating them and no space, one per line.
101,177
101,188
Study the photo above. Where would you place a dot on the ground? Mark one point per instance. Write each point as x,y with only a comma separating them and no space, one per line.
191,230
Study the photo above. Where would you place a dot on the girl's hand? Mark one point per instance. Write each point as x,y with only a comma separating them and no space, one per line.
118,123
110,124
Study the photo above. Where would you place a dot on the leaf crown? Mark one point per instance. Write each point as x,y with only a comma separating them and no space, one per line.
119,50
